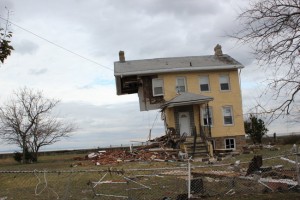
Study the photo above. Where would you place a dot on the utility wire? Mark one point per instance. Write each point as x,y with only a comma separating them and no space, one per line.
57,45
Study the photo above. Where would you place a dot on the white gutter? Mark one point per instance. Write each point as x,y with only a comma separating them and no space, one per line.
185,69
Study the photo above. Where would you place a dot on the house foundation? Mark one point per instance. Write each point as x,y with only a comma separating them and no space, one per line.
237,142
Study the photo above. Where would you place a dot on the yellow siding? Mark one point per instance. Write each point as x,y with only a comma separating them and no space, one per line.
221,98
170,117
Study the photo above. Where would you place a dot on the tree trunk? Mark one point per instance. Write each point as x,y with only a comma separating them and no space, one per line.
34,156
24,160
35,152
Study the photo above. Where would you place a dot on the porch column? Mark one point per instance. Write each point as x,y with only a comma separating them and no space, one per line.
209,121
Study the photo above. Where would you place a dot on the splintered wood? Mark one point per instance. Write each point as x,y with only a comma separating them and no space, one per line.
160,149
117,156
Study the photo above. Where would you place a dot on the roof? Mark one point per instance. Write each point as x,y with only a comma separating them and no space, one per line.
187,98
175,64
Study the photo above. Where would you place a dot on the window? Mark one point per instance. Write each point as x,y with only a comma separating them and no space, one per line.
180,84
204,84
230,143
227,115
224,82
157,87
207,118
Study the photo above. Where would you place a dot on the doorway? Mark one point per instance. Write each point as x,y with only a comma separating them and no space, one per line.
184,123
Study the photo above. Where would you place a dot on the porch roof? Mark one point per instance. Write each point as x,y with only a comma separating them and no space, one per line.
187,98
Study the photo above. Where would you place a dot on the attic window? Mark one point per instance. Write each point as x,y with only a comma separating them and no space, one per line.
157,87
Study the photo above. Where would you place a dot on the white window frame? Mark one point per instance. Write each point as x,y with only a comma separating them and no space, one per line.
224,115
230,144
222,81
178,86
203,113
156,83
201,78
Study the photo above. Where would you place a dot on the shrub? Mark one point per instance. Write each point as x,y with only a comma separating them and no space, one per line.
18,156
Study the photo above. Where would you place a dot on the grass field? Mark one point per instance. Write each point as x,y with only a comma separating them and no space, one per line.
76,184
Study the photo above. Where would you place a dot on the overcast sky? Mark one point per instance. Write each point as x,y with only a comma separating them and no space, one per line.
46,32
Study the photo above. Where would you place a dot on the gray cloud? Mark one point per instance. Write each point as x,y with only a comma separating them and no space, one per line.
38,71
25,47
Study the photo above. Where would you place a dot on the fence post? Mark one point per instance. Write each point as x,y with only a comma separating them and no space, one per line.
297,165
189,178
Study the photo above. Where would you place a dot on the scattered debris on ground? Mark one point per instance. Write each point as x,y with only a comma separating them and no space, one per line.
167,149
247,149
117,156
255,164
161,149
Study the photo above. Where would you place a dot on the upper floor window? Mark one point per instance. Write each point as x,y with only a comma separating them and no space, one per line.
207,116
180,84
224,82
157,87
204,84
227,115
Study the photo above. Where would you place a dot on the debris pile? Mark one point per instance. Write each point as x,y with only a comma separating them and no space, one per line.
171,140
160,149
247,149
117,156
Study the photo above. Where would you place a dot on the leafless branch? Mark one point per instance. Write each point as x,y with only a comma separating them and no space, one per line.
272,29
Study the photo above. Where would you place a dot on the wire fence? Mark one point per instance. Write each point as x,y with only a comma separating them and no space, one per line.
187,181
105,184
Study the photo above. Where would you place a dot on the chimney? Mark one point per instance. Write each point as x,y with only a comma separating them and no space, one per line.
121,56
218,50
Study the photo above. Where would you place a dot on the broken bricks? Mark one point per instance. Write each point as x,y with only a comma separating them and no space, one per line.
117,156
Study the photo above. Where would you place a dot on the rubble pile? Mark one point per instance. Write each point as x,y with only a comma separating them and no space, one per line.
117,156
160,149
247,149
171,140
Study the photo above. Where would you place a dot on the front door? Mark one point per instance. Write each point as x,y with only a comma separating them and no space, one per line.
184,123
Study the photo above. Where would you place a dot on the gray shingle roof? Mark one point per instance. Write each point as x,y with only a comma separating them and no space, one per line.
187,98
176,64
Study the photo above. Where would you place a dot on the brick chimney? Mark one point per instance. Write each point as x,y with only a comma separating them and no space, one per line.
121,56
218,50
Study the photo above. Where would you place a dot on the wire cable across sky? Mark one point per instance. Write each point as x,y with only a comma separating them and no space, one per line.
57,45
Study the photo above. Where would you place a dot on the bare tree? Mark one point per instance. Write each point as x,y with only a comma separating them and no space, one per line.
47,131
272,29
5,37
26,120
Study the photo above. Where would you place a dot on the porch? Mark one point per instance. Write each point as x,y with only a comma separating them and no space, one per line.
185,113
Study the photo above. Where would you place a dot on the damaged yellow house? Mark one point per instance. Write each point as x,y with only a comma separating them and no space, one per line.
199,96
